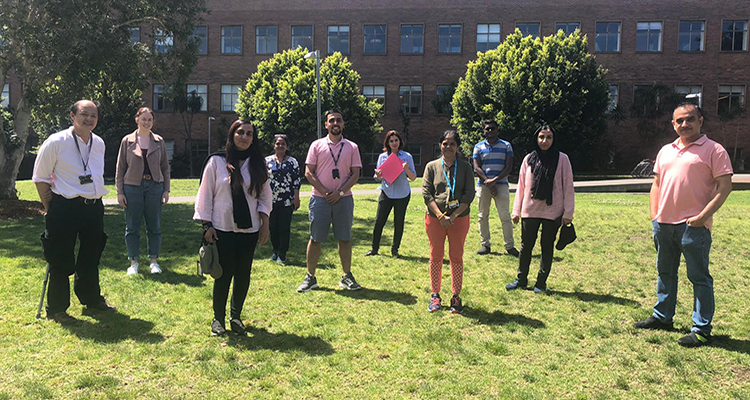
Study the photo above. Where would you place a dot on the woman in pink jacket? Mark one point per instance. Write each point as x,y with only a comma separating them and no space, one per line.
544,197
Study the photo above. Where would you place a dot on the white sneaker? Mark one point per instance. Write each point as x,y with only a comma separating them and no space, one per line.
133,269
155,269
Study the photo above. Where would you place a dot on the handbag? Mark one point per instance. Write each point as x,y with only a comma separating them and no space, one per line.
567,236
209,261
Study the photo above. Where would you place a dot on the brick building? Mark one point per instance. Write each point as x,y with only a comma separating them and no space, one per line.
407,51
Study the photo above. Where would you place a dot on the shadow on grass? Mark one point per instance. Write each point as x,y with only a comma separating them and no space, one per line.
599,298
423,260
113,328
260,338
175,278
500,318
727,343
379,295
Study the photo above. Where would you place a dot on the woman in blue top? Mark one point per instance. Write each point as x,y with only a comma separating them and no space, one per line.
395,195
285,174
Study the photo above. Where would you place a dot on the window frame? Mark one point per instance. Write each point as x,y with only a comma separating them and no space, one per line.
718,96
619,37
568,23
204,106
745,41
312,37
499,33
204,40
450,36
165,95
221,97
338,35
241,36
5,103
383,85
167,41
700,98
703,36
421,99
364,40
266,36
617,98
539,23
661,36
400,36
130,31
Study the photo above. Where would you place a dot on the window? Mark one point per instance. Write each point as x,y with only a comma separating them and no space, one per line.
163,41
607,37
200,35
690,93
229,96
375,39
442,103
731,99
449,38
170,148
567,27
692,35
200,91
412,39
266,39
302,36
529,28
338,39
162,100
614,98
199,149
5,102
231,40
488,36
135,35
416,152
411,99
734,36
376,92
648,37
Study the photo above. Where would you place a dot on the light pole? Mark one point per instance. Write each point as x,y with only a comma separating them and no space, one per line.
316,54
210,118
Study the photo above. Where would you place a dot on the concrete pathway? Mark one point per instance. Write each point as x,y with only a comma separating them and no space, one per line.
638,185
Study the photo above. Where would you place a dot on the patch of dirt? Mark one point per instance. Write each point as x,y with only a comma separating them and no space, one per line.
20,209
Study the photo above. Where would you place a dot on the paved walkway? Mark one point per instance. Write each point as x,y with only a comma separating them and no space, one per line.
739,182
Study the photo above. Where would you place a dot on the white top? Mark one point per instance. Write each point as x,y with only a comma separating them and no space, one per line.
214,199
60,164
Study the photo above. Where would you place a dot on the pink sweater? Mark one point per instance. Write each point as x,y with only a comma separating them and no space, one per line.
563,195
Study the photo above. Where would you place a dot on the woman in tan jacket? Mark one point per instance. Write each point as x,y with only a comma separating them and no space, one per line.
142,181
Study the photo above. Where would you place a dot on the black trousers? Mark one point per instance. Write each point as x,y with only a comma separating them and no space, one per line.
280,222
236,252
529,231
385,204
68,221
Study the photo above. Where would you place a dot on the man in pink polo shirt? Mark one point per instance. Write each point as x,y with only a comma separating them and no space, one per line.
333,166
693,178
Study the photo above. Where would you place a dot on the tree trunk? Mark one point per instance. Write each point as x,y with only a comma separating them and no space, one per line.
11,156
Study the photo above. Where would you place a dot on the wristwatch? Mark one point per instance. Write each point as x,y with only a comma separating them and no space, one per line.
341,193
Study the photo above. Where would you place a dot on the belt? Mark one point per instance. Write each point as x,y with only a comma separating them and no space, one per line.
80,199
147,177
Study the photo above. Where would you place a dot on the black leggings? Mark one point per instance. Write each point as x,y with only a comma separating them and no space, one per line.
529,230
236,252
280,223
385,204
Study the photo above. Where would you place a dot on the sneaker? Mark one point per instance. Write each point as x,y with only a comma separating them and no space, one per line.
308,284
484,250
281,260
217,328
434,303
456,306
515,285
274,257
394,253
348,282
371,252
133,269
102,306
653,323
512,251
237,327
62,318
694,339
539,290
155,268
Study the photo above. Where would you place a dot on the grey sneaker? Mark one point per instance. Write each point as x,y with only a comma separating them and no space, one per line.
308,284
348,282
217,328
484,250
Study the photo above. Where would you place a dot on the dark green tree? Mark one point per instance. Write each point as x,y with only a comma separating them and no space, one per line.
188,104
525,81
65,50
652,110
281,97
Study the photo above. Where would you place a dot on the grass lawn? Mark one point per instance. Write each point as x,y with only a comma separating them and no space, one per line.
575,343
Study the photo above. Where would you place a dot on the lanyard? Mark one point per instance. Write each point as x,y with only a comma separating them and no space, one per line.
451,185
91,141
336,158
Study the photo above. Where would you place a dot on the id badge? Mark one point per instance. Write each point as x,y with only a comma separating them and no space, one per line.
452,204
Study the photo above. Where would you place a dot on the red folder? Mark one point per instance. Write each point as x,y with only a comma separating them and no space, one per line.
391,168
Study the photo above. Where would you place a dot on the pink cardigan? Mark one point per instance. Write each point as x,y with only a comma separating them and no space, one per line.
563,195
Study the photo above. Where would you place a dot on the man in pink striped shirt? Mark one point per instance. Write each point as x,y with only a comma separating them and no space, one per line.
693,178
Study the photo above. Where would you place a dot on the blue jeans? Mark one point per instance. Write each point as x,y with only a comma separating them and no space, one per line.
143,201
694,244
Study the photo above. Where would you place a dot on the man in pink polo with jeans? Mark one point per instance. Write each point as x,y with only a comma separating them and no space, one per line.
693,178
333,166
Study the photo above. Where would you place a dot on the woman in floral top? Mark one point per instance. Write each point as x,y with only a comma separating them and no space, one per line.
285,174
